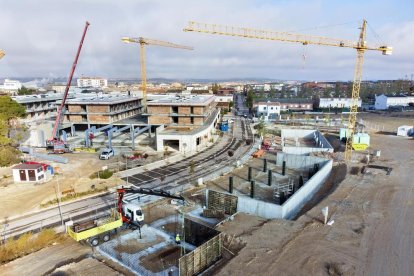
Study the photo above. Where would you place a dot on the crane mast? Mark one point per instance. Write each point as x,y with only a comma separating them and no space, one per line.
359,45
147,41
55,133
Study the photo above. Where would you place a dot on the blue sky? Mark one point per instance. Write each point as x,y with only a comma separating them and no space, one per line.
41,38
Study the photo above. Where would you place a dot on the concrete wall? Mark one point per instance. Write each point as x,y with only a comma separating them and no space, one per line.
259,208
322,145
296,202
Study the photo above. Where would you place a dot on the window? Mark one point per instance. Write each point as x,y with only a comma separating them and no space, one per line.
192,110
174,109
192,120
271,108
175,120
264,108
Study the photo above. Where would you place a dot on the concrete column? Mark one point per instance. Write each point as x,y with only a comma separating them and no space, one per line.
231,184
252,183
264,165
249,176
300,181
269,178
284,168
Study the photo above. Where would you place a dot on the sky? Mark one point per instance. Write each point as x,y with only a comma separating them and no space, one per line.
40,38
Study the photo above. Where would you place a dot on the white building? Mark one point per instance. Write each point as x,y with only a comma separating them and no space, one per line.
11,85
270,110
197,88
405,131
337,102
383,102
92,82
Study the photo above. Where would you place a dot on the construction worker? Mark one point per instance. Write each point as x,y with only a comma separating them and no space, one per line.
177,239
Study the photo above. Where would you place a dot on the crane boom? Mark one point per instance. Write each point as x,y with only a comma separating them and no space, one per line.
280,36
55,132
148,41
359,45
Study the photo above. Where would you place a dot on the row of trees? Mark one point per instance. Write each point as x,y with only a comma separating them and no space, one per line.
10,110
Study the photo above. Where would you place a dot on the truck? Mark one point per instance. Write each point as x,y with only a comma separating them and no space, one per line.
127,215
96,230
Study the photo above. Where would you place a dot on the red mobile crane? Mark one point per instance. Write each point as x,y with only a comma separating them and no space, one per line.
55,142
131,213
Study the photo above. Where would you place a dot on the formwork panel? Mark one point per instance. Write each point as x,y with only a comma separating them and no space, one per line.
221,201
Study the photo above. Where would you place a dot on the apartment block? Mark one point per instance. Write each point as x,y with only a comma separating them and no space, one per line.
181,110
102,109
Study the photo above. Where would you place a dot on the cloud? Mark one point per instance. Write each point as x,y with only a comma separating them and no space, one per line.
41,38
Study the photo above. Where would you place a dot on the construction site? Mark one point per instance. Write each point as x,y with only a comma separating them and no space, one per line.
170,184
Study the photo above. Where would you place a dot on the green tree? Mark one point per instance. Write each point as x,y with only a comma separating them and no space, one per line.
9,110
261,128
272,93
250,99
215,87
24,91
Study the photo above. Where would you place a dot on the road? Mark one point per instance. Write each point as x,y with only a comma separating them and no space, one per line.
176,175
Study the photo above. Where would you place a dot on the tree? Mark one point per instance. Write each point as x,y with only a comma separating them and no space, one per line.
215,87
271,94
24,91
261,128
9,110
250,99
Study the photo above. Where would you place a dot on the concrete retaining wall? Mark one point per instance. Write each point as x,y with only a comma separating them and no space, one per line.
259,208
322,145
296,202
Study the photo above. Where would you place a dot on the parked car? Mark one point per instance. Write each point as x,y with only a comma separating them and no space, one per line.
106,154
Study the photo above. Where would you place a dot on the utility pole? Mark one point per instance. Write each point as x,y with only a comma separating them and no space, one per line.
58,195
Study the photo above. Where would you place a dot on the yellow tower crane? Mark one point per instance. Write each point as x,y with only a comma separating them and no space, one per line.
2,53
360,45
147,41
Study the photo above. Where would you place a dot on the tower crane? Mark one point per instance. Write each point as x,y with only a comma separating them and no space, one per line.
147,41
54,142
2,53
360,45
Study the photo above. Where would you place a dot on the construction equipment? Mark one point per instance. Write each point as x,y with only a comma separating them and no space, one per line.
95,230
147,41
2,53
131,213
55,143
360,45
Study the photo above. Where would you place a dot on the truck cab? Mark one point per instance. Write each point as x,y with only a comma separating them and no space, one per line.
134,213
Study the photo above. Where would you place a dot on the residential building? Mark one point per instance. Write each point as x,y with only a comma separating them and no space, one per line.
187,122
289,104
102,109
181,110
269,110
39,107
337,102
11,86
92,82
224,101
226,91
383,102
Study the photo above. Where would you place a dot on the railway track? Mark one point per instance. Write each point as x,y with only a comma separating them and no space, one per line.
107,201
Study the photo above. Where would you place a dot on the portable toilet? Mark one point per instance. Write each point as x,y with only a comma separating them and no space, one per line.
224,126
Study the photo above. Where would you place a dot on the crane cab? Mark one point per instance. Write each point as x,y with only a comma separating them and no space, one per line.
133,212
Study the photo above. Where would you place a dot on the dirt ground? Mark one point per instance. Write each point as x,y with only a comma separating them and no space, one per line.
163,258
372,232
21,198
86,267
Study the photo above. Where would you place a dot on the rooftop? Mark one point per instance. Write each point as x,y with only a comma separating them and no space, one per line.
200,100
38,98
285,100
27,166
104,99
